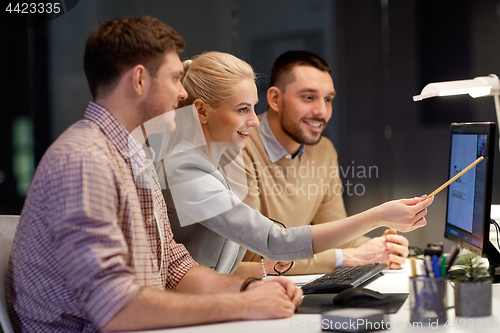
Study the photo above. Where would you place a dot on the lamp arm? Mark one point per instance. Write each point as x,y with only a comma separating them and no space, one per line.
497,109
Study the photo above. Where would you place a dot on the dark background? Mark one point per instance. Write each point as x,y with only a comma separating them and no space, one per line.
382,53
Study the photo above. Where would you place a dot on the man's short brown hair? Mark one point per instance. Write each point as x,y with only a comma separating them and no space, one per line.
281,72
122,43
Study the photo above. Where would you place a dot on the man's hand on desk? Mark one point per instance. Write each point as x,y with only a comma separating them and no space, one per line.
272,298
390,249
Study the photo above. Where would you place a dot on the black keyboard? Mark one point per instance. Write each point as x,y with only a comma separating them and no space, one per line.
343,278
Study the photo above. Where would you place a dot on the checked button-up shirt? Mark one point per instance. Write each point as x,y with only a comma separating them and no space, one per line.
93,230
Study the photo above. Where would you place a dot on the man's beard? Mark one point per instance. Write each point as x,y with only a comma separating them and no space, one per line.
150,107
296,133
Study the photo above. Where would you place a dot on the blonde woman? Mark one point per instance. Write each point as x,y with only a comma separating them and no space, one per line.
206,214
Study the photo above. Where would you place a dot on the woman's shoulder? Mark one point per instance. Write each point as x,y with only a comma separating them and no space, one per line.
186,160
185,153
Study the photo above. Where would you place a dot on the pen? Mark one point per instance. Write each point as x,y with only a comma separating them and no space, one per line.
435,266
453,257
428,266
442,265
423,267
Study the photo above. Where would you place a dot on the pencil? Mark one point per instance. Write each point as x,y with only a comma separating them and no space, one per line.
413,267
455,177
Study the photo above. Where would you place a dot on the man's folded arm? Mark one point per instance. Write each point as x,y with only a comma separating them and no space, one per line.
205,296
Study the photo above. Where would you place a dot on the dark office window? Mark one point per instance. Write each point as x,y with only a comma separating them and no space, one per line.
444,41
24,129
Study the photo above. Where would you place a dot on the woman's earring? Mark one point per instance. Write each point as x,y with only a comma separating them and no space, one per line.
204,121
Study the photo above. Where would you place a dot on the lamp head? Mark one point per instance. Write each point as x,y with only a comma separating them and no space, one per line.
477,87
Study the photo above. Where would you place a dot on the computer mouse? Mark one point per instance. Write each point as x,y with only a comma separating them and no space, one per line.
357,294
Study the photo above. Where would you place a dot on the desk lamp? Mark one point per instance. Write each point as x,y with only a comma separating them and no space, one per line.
477,87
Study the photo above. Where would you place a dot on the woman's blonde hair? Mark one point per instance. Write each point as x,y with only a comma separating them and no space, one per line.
212,76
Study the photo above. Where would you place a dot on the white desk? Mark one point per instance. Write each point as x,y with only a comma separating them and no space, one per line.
391,282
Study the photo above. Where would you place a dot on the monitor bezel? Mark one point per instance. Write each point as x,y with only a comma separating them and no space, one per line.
476,128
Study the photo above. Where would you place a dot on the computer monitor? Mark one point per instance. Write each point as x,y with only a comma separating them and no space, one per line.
469,197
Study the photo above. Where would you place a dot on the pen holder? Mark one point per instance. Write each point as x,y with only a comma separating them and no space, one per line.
428,302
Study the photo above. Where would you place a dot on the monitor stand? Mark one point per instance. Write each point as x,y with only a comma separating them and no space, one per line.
494,258
495,272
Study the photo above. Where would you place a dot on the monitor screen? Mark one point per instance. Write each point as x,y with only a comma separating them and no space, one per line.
469,197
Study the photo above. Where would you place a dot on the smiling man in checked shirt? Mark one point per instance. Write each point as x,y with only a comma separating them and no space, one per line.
94,249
